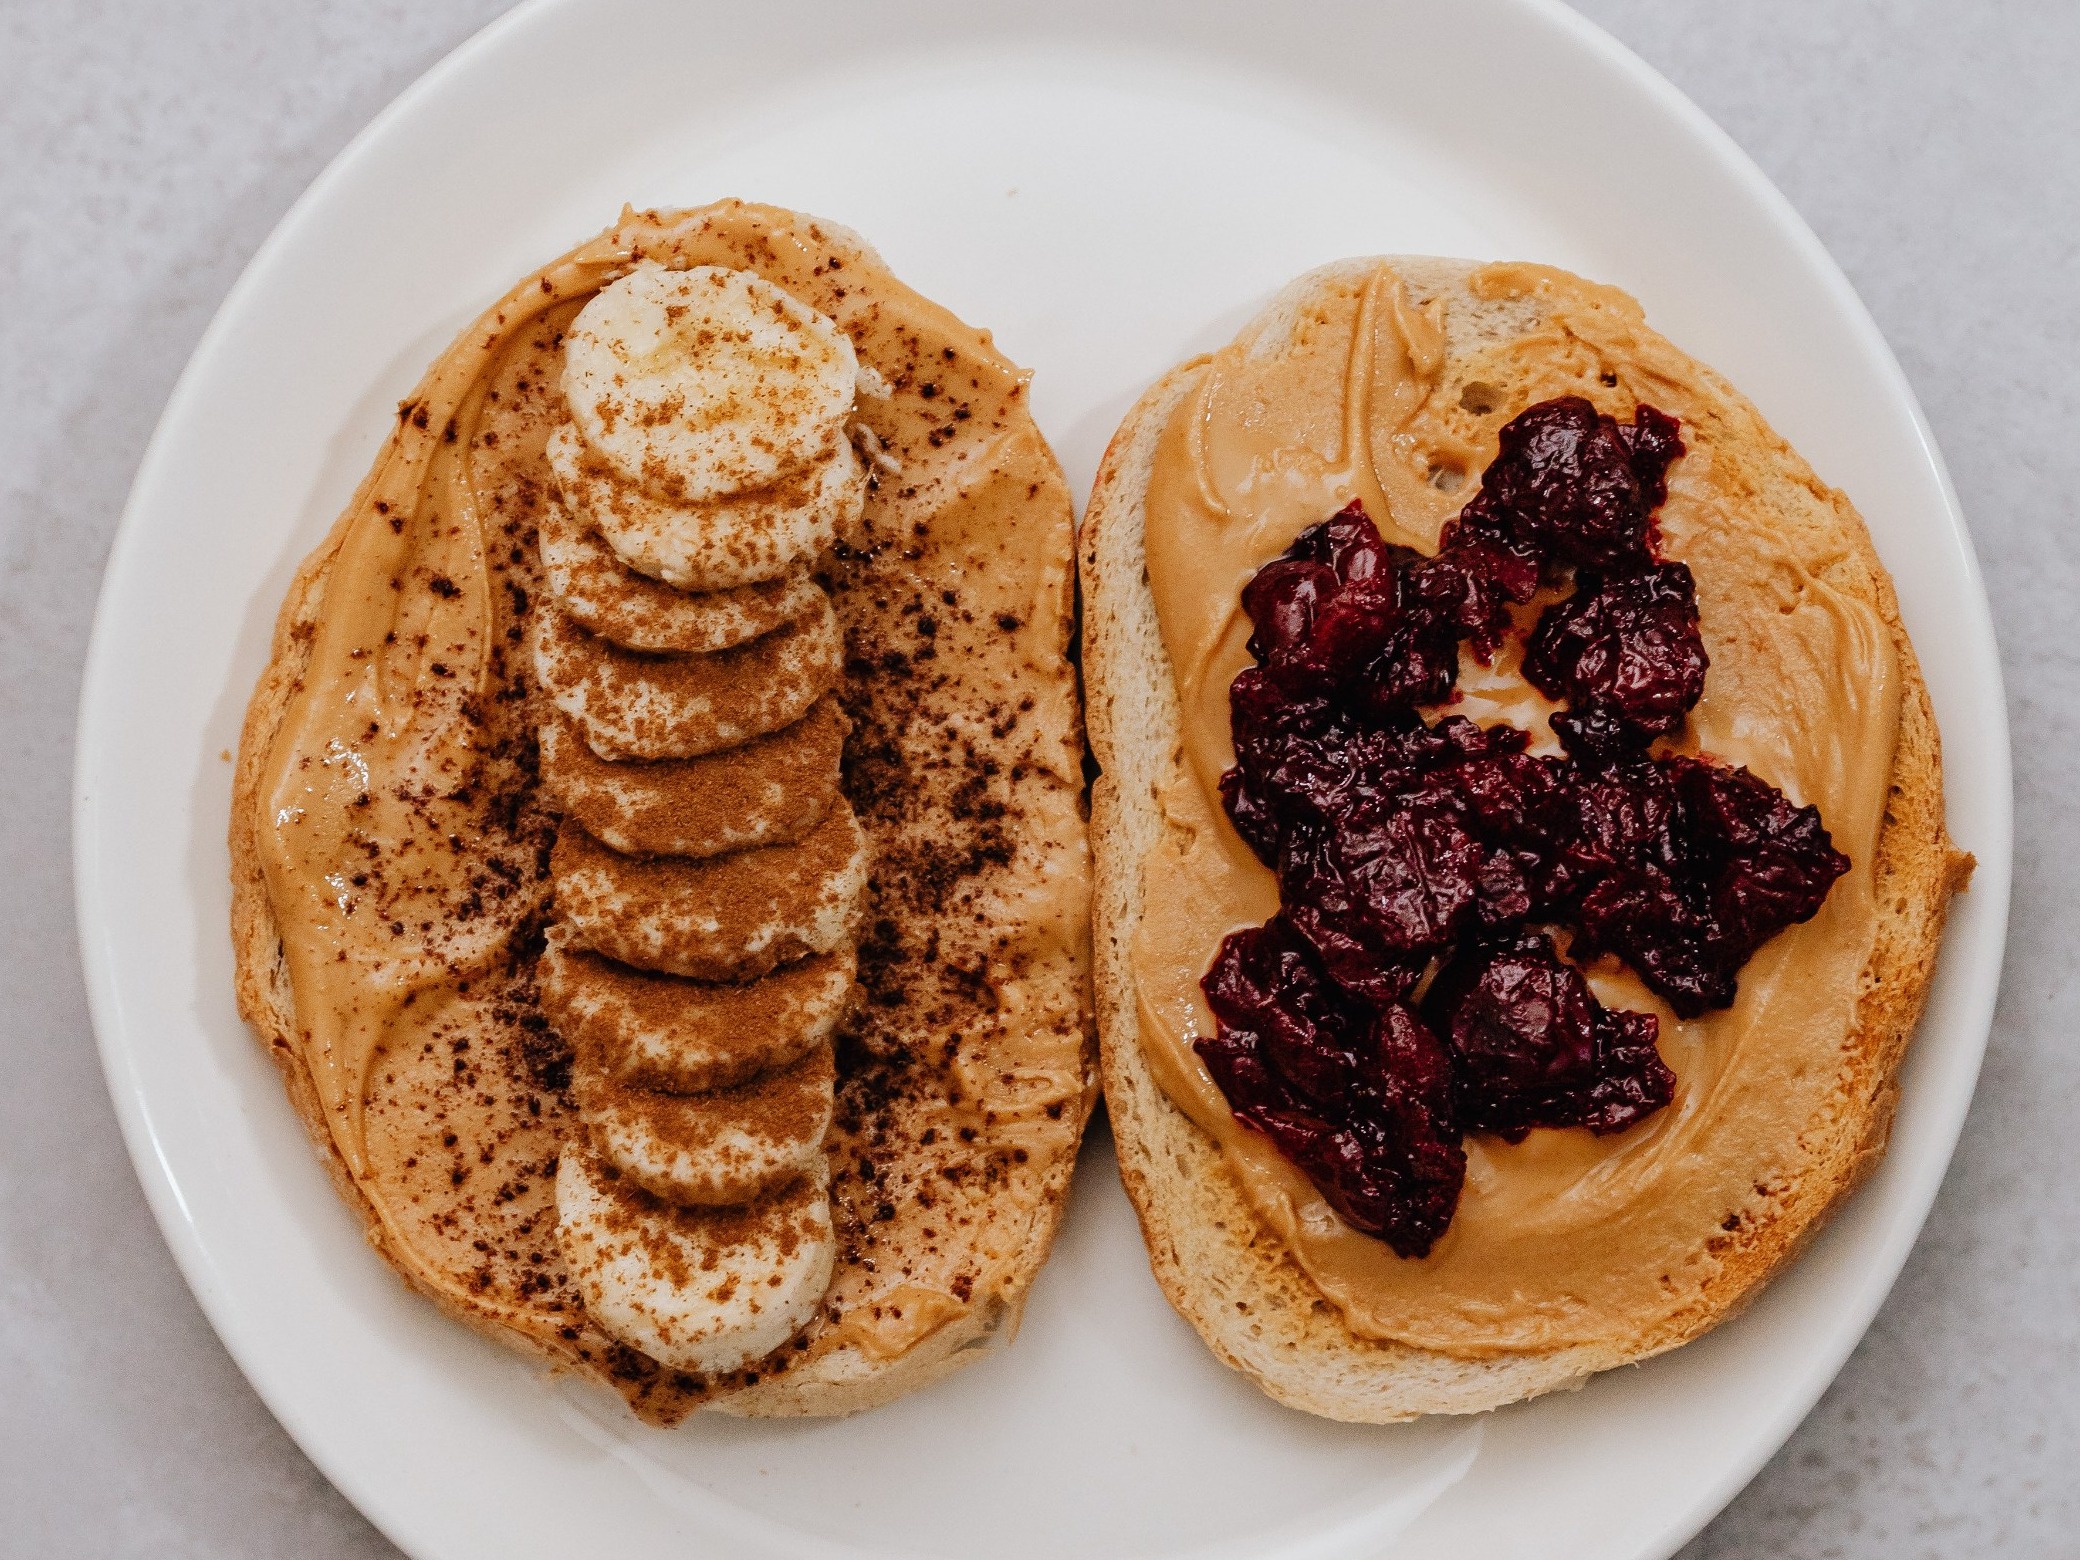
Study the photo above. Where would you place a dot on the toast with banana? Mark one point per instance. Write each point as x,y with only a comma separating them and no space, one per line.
1520,844
659,861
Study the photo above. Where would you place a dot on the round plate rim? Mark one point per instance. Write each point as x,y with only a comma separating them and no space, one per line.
161,1182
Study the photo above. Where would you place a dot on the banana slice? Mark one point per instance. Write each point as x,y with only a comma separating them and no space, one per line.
766,792
594,587
702,1290
678,1036
716,1150
703,382
632,705
712,544
730,917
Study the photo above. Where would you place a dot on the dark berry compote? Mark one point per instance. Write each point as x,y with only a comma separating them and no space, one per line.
1439,885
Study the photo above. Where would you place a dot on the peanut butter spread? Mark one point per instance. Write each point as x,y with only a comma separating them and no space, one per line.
1565,1237
405,838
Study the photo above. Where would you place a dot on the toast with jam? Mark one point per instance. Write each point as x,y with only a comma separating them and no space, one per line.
1519,838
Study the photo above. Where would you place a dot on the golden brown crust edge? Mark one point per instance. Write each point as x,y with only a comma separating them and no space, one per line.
1223,1271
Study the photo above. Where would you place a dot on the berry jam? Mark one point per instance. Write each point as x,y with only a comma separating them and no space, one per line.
1410,989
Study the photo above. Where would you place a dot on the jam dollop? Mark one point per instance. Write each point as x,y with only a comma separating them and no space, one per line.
1358,1094
1439,885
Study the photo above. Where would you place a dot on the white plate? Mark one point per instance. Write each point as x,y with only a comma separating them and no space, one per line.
1108,188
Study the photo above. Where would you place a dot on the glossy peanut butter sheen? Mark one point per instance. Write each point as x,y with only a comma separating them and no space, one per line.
1565,1237
404,844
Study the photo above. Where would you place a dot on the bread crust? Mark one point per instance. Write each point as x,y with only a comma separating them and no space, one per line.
834,1382
1223,1270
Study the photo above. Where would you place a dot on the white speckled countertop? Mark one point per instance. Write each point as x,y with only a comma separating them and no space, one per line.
146,150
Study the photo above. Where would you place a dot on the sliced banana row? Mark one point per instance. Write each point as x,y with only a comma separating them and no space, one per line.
710,877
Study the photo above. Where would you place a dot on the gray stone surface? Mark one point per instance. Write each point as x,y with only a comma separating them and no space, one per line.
146,150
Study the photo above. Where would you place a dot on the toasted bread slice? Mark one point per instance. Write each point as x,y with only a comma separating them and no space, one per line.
1220,1264
965,1052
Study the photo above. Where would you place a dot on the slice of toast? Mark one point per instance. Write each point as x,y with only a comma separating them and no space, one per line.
1220,1264
956,1130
